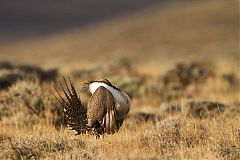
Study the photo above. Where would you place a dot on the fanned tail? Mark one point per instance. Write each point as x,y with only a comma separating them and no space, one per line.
72,107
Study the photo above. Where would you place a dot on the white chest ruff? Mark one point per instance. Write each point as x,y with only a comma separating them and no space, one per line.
120,97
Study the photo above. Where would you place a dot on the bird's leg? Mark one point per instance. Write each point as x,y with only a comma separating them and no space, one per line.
98,130
97,136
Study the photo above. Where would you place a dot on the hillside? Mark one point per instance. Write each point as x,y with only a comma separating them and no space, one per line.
196,29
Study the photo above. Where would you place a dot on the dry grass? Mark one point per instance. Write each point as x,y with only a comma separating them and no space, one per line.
31,127
188,139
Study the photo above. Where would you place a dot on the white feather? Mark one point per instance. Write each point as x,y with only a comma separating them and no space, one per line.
116,94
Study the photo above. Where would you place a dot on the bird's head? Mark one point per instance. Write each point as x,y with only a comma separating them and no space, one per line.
93,85
106,81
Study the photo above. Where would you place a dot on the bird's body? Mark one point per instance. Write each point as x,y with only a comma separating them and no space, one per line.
122,100
105,112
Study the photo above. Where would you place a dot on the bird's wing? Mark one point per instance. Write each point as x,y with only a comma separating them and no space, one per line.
101,108
74,110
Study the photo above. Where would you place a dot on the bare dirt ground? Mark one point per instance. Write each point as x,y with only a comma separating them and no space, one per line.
179,64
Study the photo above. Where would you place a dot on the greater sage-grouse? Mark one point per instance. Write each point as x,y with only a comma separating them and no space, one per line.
104,113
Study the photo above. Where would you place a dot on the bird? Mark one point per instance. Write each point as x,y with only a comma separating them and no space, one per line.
105,111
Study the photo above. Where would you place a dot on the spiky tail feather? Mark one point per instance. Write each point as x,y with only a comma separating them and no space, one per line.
74,110
72,107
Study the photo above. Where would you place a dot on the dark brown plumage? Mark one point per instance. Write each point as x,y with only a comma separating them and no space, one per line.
98,117
73,109
102,109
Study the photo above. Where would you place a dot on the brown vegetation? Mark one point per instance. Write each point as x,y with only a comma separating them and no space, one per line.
33,128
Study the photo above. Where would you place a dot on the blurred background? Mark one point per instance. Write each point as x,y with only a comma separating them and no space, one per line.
153,34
